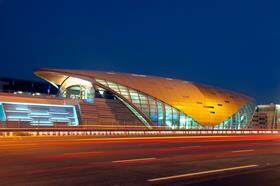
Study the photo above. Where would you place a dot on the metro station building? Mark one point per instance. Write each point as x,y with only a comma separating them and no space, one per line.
100,99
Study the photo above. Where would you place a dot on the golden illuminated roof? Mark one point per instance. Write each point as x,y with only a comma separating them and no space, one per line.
205,104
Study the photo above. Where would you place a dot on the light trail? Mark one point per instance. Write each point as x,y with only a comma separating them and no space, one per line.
243,151
133,160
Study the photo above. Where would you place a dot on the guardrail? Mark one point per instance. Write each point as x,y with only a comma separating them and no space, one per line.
87,132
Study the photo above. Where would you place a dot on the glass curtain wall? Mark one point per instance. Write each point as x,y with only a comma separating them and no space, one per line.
164,115
161,114
240,120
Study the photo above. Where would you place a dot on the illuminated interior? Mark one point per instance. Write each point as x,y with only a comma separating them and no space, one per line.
39,114
2,113
76,88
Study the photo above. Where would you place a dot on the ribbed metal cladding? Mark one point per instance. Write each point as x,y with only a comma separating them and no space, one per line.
207,105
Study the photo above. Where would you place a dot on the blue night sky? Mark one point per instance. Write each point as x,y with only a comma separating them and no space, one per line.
233,45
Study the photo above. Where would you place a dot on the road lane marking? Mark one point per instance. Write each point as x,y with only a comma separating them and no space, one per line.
201,173
74,155
133,160
243,151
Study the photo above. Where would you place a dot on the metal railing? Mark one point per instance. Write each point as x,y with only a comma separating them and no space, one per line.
121,132
105,126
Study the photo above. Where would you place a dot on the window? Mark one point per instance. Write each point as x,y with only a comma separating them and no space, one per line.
137,101
168,115
160,113
183,121
211,107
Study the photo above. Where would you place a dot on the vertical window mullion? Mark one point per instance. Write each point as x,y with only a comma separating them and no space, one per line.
179,120
129,94
156,111
140,103
149,107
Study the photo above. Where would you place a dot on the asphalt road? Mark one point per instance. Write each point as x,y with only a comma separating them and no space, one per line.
221,160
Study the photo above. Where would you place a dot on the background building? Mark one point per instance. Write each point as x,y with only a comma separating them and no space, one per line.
266,117
19,86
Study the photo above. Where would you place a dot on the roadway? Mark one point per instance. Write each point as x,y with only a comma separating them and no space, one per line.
205,160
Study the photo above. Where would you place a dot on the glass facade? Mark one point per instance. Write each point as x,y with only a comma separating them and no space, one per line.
239,120
160,113
139,116
166,116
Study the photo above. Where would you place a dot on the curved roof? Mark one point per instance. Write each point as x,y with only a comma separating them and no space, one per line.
207,105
